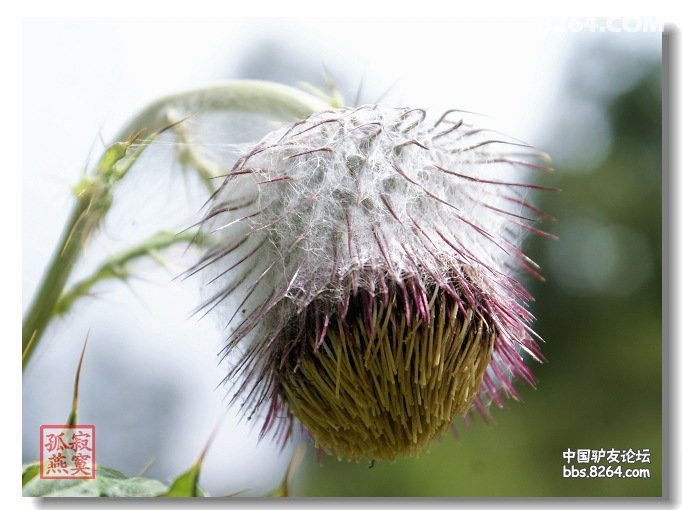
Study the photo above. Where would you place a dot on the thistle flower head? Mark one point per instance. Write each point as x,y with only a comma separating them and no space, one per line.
366,271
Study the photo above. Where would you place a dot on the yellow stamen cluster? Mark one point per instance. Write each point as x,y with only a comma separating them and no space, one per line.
388,392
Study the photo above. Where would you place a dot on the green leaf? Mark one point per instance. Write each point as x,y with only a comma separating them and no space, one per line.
107,483
28,472
187,484
73,416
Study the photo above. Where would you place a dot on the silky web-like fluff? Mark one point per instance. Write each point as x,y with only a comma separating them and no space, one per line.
365,271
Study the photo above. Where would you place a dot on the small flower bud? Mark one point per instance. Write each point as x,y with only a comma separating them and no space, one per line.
365,270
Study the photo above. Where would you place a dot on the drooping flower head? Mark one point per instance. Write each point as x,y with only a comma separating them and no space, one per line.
366,271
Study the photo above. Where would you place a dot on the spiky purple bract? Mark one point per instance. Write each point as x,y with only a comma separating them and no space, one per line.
366,270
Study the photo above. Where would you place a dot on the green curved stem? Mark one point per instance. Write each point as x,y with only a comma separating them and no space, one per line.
94,194
279,102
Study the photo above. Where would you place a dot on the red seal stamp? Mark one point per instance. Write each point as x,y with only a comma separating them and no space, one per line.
67,451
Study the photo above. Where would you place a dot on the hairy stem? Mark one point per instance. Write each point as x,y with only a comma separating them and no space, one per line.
117,266
91,206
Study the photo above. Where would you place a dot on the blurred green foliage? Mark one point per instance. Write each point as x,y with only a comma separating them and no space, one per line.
599,311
